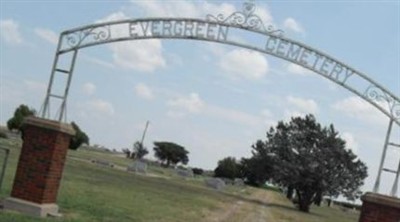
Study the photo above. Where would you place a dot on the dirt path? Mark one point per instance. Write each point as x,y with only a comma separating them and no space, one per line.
250,209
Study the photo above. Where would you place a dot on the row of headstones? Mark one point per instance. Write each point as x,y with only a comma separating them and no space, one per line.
221,183
215,183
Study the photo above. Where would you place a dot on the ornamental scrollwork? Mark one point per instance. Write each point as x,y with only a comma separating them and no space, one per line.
246,19
376,93
93,34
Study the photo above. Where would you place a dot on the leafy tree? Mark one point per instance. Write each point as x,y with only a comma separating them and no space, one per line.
79,138
198,171
169,152
127,152
259,168
139,150
227,168
3,135
15,122
313,160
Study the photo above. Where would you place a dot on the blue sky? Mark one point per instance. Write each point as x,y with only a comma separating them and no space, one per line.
215,100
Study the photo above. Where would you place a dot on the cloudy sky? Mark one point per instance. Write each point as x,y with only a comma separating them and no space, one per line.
215,100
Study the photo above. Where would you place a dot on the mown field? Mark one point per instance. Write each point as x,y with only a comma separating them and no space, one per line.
93,193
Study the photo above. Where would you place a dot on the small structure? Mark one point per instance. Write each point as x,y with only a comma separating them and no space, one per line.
103,163
238,182
186,173
40,167
216,183
138,167
379,208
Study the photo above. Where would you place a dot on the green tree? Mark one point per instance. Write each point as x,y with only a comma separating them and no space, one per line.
228,168
313,160
79,138
15,122
259,168
139,150
169,152
197,171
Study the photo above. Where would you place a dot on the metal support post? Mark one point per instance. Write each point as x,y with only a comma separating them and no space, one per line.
3,171
396,182
378,178
46,104
68,85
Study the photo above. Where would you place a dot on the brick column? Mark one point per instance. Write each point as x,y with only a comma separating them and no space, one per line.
379,208
40,167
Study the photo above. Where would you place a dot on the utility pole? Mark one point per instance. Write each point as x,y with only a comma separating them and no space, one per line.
144,132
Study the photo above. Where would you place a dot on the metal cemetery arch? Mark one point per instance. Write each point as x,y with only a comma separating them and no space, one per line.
217,29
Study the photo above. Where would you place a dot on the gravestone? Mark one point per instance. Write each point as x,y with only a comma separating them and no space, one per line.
238,182
138,167
103,163
184,173
228,181
215,183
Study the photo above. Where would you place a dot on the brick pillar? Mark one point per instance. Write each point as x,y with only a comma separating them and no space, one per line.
379,208
40,167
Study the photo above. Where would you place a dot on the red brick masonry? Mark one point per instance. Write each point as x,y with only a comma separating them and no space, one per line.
380,208
41,161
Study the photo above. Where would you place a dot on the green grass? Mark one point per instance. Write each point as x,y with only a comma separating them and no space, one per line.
283,210
92,193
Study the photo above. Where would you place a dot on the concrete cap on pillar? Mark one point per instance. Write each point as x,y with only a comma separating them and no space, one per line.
381,200
49,124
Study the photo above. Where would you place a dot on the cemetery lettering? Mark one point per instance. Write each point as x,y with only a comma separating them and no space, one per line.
308,58
184,29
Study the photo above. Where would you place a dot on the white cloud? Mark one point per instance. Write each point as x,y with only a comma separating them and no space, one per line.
358,108
97,61
183,105
351,142
35,86
9,31
168,9
298,70
192,103
288,114
113,17
293,25
143,55
99,107
143,91
241,63
232,115
147,55
197,9
89,88
267,115
47,35
182,8
305,105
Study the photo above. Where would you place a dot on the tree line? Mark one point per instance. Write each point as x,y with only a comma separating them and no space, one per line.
303,157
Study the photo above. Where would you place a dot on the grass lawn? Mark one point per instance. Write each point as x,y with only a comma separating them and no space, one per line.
92,193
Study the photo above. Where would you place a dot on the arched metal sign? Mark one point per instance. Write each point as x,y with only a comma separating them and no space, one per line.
219,29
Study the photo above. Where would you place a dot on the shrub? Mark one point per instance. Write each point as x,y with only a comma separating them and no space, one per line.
3,135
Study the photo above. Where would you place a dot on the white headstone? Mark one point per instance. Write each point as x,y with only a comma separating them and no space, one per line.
138,167
238,182
184,172
215,183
